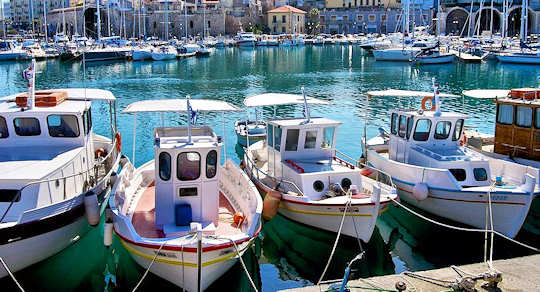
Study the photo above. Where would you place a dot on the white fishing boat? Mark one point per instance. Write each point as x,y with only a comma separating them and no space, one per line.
245,39
55,172
190,48
141,53
299,167
433,57
433,171
255,129
184,216
404,53
164,53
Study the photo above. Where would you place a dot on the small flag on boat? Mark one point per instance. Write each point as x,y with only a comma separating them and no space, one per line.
27,73
192,113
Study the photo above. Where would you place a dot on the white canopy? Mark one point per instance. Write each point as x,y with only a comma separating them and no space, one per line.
272,99
180,105
405,93
486,93
75,94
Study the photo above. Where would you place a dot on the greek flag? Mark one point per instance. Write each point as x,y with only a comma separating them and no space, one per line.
192,113
27,73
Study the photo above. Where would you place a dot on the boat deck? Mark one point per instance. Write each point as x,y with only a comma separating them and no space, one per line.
144,216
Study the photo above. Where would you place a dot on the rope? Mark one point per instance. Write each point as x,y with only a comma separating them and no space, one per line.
155,256
10,274
337,239
464,228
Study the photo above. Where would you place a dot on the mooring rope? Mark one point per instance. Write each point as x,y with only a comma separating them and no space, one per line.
10,274
463,228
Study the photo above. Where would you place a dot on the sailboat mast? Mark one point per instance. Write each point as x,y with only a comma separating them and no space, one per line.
166,20
3,21
64,17
98,20
185,18
84,18
139,16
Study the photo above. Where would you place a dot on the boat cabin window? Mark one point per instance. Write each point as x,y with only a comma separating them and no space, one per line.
537,118
164,166
277,138
9,196
505,114
187,192
270,135
409,127
480,174
402,126
328,137
394,125
87,119
524,116
188,165
63,126
291,143
459,174
3,128
457,130
211,163
442,130
27,126
311,140
423,127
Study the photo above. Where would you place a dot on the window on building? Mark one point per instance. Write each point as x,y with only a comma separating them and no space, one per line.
383,17
524,116
333,17
191,24
282,29
442,130
209,24
457,130
371,17
298,18
188,166
505,114
164,166
274,19
63,126
322,18
4,133
421,132
284,18
27,126
345,18
311,139
211,164
328,137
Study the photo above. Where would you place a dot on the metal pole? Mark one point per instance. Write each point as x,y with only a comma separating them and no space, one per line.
84,18
44,19
134,137
98,21
224,138
108,19
185,18
188,118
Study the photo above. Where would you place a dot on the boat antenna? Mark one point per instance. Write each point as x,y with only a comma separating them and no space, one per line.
306,107
436,99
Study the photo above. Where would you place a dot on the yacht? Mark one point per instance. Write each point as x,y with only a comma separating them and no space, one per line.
523,57
164,53
184,216
246,39
55,171
10,51
299,166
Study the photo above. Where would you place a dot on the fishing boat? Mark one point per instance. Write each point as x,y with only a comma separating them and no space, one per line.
184,216
432,170
255,129
164,53
55,171
246,39
299,167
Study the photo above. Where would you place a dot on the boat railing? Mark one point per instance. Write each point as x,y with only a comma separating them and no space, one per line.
380,175
93,175
257,172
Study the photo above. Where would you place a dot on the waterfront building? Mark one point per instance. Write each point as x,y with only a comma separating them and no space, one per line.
26,14
286,19
455,18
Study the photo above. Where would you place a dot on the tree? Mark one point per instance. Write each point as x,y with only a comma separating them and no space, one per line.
314,21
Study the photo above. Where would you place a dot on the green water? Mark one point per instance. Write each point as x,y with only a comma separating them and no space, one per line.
286,254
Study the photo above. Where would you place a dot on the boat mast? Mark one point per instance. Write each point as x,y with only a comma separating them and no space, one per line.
84,18
98,21
134,19
139,16
64,17
470,20
166,20
185,19
491,22
108,18
204,22
3,21
524,16
44,19
144,20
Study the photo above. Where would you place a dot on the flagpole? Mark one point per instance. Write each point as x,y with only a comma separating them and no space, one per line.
308,117
188,118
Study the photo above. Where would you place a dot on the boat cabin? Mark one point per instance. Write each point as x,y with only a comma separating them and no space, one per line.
430,139
186,177
517,125
304,152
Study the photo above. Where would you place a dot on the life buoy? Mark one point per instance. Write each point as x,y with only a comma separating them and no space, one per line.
424,101
100,152
118,139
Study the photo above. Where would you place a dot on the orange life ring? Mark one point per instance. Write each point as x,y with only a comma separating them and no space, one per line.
100,152
424,101
118,139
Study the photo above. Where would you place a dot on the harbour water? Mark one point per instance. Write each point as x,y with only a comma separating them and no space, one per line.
287,254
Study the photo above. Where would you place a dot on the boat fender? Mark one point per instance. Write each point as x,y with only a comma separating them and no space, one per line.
100,152
424,103
118,138
271,204
239,218
108,229
113,178
529,184
366,172
91,207
420,191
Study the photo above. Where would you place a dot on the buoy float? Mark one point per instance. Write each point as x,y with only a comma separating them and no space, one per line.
424,103
271,204
91,208
420,191
108,229
239,218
